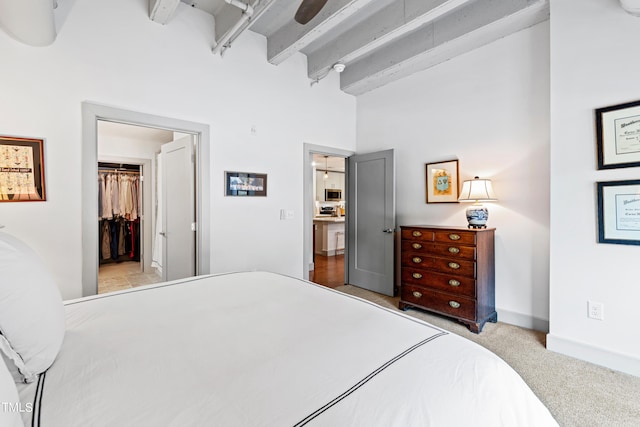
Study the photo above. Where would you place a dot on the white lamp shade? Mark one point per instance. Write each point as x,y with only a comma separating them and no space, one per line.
477,190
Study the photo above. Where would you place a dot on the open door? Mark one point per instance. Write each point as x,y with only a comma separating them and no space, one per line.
178,210
372,220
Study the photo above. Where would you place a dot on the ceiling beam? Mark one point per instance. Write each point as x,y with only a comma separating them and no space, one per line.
292,37
161,11
390,23
463,30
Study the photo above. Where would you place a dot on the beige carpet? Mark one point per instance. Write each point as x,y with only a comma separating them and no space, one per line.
577,393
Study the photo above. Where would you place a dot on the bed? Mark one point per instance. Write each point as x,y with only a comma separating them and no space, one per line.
262,349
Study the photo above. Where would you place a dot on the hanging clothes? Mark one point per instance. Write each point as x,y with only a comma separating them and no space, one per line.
118,210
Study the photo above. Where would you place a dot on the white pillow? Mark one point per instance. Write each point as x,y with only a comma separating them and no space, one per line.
10,405
31,310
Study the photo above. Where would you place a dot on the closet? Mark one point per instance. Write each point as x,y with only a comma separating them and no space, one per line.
119,210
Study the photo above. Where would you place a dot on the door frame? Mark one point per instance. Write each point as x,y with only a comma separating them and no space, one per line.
91,113
307,210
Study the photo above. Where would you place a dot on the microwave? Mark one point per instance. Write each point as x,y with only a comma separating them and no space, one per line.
331,195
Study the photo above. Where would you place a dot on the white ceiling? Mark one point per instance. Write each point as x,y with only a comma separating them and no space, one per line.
379,41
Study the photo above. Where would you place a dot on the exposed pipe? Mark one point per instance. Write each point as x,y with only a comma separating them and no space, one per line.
246,8
29,21
247,13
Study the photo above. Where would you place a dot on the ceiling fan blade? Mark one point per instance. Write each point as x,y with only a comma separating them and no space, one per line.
308,9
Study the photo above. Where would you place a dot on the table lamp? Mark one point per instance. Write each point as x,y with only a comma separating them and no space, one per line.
477,190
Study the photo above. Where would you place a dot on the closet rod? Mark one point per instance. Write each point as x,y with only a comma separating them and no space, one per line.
118,171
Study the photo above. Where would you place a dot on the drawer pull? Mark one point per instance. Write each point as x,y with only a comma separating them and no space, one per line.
454,236
417,276
454,250
454,265
454,282
416,234
454,304
416,246
417,294
417,259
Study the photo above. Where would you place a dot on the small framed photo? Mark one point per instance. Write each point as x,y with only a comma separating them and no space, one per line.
618,136
442,182
245,184
619,212
21,169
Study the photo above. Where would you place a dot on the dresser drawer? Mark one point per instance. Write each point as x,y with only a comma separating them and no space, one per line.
417,234
444,303
442,265
460,237
452,250
445,282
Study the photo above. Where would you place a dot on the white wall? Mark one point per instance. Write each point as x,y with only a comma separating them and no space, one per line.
111,53
490,109
594,63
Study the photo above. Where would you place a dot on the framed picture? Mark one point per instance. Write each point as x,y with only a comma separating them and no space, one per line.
21,170
618,136
442,182
245,184
619,212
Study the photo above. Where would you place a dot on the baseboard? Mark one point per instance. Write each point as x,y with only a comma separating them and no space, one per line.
597,355
523,320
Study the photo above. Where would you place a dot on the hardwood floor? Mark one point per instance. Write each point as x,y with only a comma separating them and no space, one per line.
329,271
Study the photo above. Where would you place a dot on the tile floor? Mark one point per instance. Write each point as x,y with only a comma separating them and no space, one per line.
124,275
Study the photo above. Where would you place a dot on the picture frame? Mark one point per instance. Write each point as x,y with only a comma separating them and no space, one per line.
619,212
22,169
618,135
442,182
245,184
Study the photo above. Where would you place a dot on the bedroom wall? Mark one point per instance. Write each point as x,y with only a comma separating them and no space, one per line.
593,65
111,53
488,108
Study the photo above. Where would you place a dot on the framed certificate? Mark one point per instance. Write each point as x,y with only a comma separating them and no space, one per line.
442,182
21,170
619,212
618,135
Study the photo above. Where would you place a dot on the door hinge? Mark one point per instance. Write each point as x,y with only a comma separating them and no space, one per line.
141,178
193,226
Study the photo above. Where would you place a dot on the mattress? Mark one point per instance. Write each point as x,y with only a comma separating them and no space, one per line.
262,349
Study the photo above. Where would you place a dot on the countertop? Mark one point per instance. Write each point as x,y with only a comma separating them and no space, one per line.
328,219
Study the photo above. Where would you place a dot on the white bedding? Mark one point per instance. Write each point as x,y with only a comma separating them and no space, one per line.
260,349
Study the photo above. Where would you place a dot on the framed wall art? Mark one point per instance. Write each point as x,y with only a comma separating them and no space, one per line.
21,169
619,212
442,182
245,184
618,135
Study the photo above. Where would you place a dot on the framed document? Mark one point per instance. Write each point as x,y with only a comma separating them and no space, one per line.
619,212
21,169
442,182
245,184
618,136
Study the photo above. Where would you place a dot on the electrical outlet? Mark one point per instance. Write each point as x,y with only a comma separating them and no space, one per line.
595,310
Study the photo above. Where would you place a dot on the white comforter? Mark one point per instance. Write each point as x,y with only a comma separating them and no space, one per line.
260,349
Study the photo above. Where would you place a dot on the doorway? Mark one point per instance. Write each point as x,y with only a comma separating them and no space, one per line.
91,115
128,204
329,220
324,244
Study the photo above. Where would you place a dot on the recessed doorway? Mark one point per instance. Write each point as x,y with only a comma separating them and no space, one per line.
325,222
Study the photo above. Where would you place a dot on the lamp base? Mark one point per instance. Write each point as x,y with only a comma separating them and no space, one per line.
477,216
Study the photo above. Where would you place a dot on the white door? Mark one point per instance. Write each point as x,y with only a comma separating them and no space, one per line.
372,221
178,210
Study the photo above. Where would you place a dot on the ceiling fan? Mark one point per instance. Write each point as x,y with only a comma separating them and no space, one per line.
308,9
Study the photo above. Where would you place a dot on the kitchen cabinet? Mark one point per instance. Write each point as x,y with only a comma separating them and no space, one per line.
329,236
334,181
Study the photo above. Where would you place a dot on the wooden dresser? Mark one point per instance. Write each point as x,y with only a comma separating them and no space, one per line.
449,270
